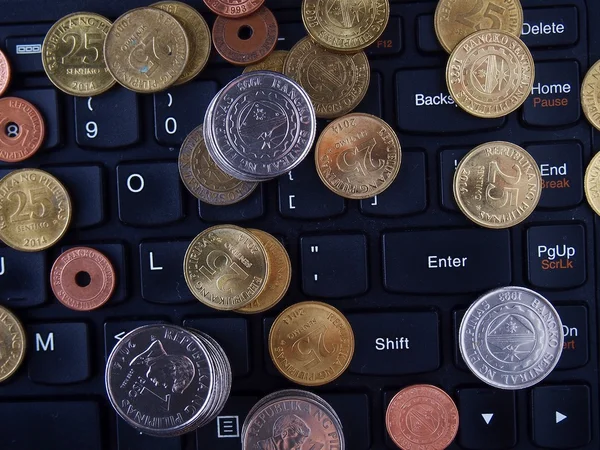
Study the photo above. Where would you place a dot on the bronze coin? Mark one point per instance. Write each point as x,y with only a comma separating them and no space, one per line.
247,40
22,129
234,8
4,72
82,279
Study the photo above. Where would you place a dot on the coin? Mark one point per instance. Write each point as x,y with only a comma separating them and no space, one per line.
204,179
35,210
234,8
511,338
82,279
422,417
311,343
5,73
73,54
457,19
490,74
278,280
274,62
358,156
590,95
22,129
497,185
198,33
246,40
146,50
12,344
336,83
345,25
226,267
592,183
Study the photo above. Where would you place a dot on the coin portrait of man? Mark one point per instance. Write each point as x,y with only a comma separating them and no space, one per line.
289,433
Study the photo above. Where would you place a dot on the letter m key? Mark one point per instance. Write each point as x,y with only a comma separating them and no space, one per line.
41,345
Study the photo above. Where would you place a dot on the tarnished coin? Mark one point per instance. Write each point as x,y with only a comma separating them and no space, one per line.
234,8
204,179
35,210
422,417
455,20
336,83
226,267
497,185
146,50
345,25
12,344
5,73
274,62
358,156
22,129
278,280
511,338
490,74
590,95
247,40
311,343
592,183
73,54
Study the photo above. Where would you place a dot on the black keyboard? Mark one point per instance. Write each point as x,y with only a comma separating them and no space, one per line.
403,266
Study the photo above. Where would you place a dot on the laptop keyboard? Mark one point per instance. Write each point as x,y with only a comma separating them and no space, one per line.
386,262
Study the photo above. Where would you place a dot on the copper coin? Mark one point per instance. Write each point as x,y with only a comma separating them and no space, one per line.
234,8
22,129
247,40
4,72
422,417
82,279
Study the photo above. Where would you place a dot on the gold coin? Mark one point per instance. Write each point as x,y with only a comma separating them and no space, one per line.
73,54
311,343
274,62
278,280
592,183
497,185
226,267
457,19
590,95
490,74
358,156
336,83
198,34
204,179
35,210
345,25
146,50
12,344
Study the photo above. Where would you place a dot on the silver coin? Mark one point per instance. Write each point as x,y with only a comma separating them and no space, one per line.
511,338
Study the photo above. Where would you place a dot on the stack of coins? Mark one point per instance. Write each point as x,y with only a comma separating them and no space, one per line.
12,344
292,419
229,268
166,380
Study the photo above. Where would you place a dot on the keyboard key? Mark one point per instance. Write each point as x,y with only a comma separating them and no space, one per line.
556,256
426,38
162,277
390,42
47,102
128,438
334,266
109,120
406,195
561,416
548,27
58,353
575,330
22,278
250,208
141,187
115,331
554,99
64,424
232,334
458,359
25,53
267,324
487,419
353,410
371,104
423,103
395,343
449,160
562,173
172,118
290,34
446,262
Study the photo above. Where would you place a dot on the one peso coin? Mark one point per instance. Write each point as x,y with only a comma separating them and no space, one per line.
592,183
35,210
497,185
22,129
358,156
590,95
490,73
73,54
336,83
234,8
274,62
12,344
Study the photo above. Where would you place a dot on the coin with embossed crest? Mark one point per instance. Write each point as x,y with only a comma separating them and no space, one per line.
336,83
490,73
12,344
590,95
274,62
511,338
592,183
234,8
497,185
146,50
455,20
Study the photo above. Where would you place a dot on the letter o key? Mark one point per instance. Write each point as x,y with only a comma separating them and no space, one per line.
131,188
